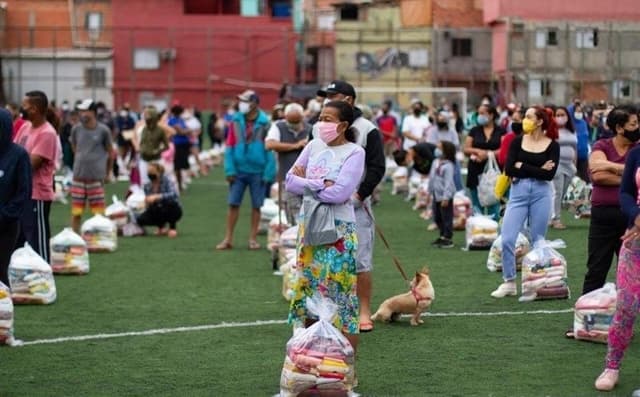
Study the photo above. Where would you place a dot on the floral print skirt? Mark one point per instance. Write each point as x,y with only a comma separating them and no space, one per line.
331,271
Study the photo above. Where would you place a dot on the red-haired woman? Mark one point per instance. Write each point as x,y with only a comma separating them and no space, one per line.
531,163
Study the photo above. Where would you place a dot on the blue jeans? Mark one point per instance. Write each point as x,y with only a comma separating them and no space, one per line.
530,199
457,177
239,185
492,210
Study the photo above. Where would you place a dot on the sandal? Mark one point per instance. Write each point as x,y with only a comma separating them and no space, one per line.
254,245
224,245
366,326
161,231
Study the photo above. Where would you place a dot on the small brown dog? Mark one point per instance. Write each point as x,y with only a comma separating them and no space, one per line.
415,302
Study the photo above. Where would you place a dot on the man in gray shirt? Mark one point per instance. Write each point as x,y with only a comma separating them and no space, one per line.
91,144
288,137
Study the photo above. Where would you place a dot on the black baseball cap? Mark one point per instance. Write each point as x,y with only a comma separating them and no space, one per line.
338,87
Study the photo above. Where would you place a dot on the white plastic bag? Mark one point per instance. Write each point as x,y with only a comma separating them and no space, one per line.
100,234
31,278
319,357
289,237
593,314
69,254
544,272
400,180
268,211
494,260
462,210
487,182
117,212
136,200
277,226
480,232
6,315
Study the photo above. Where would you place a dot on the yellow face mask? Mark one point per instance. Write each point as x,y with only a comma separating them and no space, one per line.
528,126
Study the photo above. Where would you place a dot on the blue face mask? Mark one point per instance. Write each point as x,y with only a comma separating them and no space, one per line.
483,120
437,153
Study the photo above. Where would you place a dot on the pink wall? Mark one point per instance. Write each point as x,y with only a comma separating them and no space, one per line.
499,47
230,48
584,10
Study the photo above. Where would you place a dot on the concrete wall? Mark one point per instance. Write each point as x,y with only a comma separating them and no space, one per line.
62,79
379,52
543,10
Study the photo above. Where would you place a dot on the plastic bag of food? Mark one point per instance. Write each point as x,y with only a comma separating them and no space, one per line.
288,278
480,232
494,260
100,234
462,210
136,200
6,315
289,237
423,198
400,181
544,272
268,211
319,357
277,226
593,314
117,212
31,278
69,254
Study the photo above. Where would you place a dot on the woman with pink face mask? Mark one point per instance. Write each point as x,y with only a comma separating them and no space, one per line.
566,165
330,169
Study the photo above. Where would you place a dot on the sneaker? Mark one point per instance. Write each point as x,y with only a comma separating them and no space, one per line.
607,380
507,288
432,227
446,243
437,241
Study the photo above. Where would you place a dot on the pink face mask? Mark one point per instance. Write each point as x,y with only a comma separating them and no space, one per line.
327,131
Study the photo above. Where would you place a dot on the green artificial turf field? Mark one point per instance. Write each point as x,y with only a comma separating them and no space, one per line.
153,283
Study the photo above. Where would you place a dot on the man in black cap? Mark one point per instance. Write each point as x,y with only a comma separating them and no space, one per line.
370,139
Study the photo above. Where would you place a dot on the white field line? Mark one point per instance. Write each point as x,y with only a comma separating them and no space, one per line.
162,331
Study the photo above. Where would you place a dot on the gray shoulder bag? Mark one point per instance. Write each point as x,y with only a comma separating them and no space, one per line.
319,221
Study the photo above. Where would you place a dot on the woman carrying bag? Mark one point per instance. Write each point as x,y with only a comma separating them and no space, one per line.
327,173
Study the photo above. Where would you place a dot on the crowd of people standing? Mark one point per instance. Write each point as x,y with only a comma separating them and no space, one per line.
332,153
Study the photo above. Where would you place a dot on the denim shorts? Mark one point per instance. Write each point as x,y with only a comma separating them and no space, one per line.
240,183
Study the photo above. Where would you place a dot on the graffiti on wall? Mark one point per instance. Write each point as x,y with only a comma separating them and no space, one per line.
382,61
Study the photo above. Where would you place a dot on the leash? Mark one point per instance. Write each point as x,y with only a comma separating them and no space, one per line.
395,259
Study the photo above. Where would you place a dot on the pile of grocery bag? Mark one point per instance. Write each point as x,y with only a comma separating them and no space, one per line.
318,358
544,273
480,232
100,234
593,314
69,253
31,278
494,260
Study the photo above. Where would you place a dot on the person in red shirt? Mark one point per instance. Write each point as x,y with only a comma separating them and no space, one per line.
388,127
40,139
514,129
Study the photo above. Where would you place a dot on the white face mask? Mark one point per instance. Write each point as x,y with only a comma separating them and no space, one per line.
244,107
324,103
578,115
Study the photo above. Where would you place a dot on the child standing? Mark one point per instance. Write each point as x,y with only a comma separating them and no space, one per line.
442,188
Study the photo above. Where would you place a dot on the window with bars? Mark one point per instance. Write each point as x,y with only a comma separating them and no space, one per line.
461,47
95,77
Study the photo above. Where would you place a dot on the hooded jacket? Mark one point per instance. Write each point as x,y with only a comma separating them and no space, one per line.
245,150
15,173
582,133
